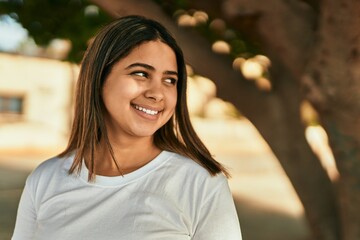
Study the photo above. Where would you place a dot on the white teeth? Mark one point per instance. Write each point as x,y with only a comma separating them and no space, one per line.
147,111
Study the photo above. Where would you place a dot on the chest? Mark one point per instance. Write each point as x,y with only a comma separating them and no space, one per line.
130,212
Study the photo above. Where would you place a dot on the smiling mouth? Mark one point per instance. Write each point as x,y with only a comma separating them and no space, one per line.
145,110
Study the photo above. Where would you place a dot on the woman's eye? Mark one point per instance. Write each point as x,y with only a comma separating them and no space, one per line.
171,81
140,74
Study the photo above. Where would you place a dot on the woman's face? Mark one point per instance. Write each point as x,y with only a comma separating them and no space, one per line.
140,92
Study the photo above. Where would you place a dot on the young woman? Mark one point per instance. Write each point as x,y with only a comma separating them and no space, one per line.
134,167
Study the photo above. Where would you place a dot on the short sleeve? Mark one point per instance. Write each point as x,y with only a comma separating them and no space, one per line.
218,218
26,215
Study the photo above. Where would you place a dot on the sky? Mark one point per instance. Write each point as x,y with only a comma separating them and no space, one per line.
11,33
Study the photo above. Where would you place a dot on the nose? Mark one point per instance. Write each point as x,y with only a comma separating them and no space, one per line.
154,91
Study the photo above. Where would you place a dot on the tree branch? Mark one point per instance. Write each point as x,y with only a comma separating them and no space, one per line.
285,29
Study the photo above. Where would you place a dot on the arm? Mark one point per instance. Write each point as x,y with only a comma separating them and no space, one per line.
218,218
26,216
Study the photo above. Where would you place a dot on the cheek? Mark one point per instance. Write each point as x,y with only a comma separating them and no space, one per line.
118,93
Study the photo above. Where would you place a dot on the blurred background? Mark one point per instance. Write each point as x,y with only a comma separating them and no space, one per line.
247,74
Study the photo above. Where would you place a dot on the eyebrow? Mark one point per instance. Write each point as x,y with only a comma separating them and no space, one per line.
149,67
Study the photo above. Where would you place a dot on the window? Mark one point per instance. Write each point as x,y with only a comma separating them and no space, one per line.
11,104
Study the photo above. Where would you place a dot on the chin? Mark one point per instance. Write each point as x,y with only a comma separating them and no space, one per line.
142,133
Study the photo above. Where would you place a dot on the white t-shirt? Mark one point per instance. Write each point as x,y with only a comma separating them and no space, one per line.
170,198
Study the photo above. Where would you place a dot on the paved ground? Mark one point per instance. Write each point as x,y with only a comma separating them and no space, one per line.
267,205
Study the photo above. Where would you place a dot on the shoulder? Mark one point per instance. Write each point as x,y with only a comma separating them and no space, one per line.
50,168
191,183
188,169
186,163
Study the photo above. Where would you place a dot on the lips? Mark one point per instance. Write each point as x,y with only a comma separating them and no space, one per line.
148,111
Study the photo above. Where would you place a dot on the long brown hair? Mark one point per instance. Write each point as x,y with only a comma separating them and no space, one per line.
114,42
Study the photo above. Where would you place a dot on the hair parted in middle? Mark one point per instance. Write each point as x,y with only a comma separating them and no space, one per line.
114,42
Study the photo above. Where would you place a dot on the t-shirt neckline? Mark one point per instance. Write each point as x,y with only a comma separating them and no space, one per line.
113,181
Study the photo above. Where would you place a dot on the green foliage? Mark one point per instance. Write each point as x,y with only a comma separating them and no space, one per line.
76,20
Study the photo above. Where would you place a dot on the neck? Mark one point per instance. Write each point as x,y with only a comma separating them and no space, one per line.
129,155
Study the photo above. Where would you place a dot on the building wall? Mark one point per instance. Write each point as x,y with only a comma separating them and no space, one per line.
44,88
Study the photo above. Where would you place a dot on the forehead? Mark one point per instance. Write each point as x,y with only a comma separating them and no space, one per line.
154,53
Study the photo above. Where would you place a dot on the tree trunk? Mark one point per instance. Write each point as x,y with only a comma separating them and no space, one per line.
333,86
